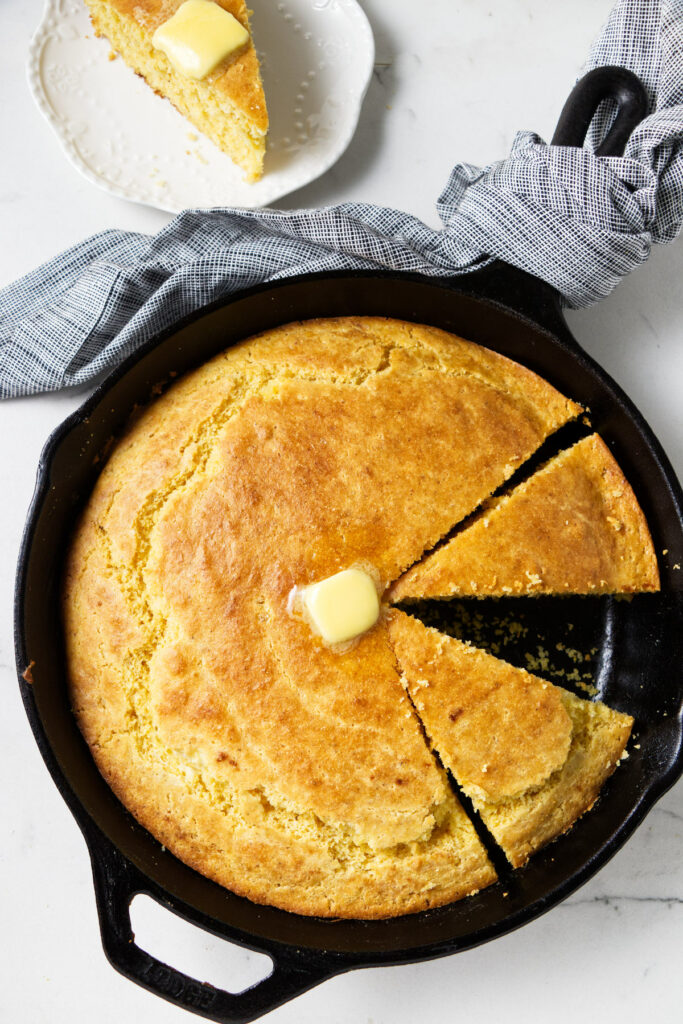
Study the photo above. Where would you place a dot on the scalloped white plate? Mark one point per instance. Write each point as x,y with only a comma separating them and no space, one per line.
316,60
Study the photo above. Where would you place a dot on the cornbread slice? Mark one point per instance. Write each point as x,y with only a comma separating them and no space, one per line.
228,105
574,527
531,756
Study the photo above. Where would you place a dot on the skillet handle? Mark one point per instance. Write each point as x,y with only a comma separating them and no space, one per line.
517,289
117,881
605,83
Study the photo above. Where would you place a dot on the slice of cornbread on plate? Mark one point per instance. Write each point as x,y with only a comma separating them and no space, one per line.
227,104
574,527
531,756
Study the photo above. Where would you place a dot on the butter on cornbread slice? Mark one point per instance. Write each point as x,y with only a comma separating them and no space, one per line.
574,527
531,756
226,102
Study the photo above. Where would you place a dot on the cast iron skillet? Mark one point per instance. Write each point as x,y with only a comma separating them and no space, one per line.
640,641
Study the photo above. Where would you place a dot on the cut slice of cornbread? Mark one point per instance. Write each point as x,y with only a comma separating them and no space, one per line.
531,756
228,105
574,527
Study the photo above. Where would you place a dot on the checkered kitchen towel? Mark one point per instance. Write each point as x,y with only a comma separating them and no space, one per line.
578,221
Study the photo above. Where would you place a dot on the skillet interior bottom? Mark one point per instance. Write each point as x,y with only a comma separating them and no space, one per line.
637,643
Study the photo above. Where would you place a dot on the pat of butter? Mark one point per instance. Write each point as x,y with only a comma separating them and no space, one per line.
343,606
199,36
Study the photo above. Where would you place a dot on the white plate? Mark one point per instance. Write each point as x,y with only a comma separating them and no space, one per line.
316,59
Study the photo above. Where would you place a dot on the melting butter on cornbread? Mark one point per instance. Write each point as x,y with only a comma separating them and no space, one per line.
199,37
340,608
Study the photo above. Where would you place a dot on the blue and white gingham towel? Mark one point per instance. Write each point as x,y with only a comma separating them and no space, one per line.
578,221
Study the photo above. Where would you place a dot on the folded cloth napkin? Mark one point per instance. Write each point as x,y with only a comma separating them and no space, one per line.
578,221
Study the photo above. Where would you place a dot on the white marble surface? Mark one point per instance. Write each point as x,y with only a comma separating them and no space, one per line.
454,83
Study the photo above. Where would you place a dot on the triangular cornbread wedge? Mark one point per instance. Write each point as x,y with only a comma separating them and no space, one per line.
228,105
532,757
574,527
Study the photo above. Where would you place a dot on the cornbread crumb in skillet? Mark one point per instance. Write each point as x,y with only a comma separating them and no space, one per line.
531,756
289,773
228,105
574,527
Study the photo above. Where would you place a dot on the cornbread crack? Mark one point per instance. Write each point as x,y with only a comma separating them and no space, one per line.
402,750
288,773
531,756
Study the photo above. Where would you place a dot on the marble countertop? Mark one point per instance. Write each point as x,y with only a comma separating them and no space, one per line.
454,81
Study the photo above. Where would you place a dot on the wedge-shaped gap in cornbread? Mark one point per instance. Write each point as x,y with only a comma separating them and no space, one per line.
500,863
495,853
564,638
562,438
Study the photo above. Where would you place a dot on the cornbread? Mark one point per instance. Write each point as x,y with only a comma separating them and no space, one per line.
573,527
227,104
531,756
291,773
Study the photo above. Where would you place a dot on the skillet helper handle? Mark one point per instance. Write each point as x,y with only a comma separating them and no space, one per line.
517,289
605,83
117,881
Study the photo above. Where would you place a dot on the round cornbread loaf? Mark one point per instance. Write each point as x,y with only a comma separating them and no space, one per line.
286,771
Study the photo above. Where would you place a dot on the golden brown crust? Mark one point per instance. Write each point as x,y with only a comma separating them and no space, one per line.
253,851
574,527
163,733
494,727
212,103
322,403
524,825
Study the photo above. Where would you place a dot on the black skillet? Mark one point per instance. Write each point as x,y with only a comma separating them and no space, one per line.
640,642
